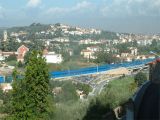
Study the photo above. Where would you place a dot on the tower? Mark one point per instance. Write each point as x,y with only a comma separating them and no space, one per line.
5,36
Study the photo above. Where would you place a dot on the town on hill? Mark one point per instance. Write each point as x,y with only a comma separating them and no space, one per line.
74,51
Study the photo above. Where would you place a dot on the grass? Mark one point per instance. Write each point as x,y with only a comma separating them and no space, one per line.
76,111
117,92
12,63
70,65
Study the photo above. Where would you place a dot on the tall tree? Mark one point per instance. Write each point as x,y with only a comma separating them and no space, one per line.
36,101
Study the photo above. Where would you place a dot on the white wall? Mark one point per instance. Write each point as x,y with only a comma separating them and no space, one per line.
53,58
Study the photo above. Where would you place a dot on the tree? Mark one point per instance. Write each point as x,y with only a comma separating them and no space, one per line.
124,47
104,57
66,56
154,43
26,57
33,92
20,64
140,78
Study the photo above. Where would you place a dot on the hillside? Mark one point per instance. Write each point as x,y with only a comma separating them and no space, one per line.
50,31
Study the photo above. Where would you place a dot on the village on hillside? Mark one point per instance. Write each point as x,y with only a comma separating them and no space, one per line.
61,44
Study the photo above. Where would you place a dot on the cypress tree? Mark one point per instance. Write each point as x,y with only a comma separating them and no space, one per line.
35,99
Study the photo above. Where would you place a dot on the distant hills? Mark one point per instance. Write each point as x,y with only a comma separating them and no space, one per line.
61,30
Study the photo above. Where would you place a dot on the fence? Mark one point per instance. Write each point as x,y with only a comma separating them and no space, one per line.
91,70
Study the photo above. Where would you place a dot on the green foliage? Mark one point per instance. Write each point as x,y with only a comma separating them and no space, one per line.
12,63
34,27
99,111
26,57
123,48
68,93
140,78
132,86
104,35
66,56
74,111
20,64
117,92
6,98
11,58
31,95
104,57
10,45
84,87
1,94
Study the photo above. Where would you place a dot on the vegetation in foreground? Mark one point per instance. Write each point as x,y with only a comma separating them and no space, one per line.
67,104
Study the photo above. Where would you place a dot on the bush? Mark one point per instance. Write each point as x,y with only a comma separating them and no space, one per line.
20,64
140,78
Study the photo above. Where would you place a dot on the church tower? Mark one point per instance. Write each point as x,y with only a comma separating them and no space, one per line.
5,36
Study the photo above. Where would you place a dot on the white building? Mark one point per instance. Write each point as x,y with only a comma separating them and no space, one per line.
6,87
94,48
52,57
5,36
88,54
133,50
61,39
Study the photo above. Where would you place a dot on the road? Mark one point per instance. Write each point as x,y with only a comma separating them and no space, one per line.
97,89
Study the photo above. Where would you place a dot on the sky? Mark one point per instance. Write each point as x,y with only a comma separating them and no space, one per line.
131,16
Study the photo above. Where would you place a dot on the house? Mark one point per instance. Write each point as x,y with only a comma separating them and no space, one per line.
57,90
6,87
93,48
52,57
90,51
144,42
88,54
7,54
124,54
61,39
21,51
133,50
141,57
80,94
70,51
85,41
128,59
4,55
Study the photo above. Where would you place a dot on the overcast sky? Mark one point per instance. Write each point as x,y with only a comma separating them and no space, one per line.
137,16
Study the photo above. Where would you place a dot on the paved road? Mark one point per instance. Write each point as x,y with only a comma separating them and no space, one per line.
100,85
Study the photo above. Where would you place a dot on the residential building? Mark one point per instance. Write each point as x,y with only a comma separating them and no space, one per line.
94,48
88,54
6,87
21,51
124,54
52,57
133,50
